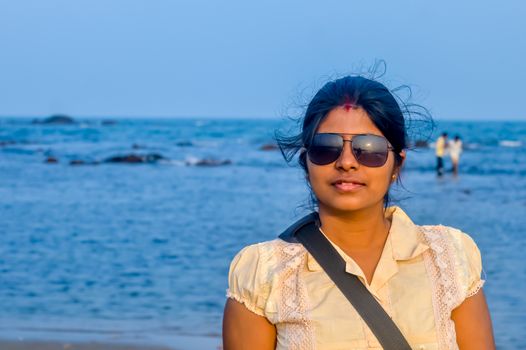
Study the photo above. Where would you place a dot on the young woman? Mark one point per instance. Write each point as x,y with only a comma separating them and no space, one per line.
427,278
455,149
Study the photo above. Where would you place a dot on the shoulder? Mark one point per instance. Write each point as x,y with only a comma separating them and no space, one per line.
249,277
456,246
253,257
459,240
255,270
266,256
260,250
459,243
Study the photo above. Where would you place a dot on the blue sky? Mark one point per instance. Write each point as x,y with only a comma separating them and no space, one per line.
175,58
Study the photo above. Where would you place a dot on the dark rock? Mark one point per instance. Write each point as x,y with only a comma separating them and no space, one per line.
76,162
56,119
210,162
135,158
184,144
268,147
137,146
51,160
130,158
421,144
109,122
6,143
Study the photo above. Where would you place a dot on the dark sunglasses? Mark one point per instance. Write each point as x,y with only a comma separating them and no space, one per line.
369,150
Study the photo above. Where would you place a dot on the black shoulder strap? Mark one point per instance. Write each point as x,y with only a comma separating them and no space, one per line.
290,234
306,232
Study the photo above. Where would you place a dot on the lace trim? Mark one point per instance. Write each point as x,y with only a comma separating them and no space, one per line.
293,319
446,294
294,323
251,306
475,289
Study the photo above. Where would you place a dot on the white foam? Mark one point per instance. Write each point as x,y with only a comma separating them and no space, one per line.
192,160
472,146
510,143
172,162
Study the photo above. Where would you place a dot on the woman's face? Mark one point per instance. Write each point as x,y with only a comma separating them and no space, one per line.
345,185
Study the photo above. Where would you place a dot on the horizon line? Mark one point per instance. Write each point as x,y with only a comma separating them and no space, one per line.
216,117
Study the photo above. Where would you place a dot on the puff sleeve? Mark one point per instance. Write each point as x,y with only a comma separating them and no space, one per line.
248,279
474,266
469,264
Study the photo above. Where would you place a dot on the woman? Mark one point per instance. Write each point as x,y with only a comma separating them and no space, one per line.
352,147
455,149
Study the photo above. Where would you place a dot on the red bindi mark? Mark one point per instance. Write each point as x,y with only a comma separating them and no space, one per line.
348,104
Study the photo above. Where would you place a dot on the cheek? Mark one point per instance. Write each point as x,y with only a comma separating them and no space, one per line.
315,176
311,173
380,179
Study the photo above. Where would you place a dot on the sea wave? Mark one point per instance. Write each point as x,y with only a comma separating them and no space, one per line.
510,143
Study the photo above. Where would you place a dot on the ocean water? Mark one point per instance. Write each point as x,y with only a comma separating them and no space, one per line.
143,250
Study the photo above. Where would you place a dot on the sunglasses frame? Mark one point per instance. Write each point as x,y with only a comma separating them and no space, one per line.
389,147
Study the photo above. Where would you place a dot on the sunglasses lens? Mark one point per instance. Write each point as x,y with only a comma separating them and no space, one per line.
325,148
370,150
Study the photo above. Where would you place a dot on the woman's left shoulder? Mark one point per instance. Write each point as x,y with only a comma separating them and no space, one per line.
461,241
463,250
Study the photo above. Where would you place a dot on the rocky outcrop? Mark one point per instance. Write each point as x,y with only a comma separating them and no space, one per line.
209,162
135,158
184,144
4,143
76,162
57,119
269,147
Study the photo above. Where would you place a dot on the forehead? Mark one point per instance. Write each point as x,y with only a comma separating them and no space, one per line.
348,121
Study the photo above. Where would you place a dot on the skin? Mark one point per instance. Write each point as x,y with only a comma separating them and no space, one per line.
244,330
355,221
455,163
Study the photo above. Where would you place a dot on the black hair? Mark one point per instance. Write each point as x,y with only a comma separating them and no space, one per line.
389,113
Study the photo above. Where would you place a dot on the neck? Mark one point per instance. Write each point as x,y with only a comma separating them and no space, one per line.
357,230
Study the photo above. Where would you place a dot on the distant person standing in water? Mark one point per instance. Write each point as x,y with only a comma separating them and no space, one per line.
455,149
440,149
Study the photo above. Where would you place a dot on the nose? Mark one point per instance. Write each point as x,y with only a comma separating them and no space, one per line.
347,161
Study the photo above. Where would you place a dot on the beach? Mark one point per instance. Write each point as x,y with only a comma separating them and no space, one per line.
122,233
34,345
179,342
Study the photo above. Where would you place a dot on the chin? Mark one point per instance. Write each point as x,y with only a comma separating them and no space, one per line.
347,205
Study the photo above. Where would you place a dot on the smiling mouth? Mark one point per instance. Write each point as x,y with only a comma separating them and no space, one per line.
344,186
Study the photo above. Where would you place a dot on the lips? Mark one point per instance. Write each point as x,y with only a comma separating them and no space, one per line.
348,185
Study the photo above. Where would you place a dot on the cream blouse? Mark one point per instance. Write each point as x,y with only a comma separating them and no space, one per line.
423,274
